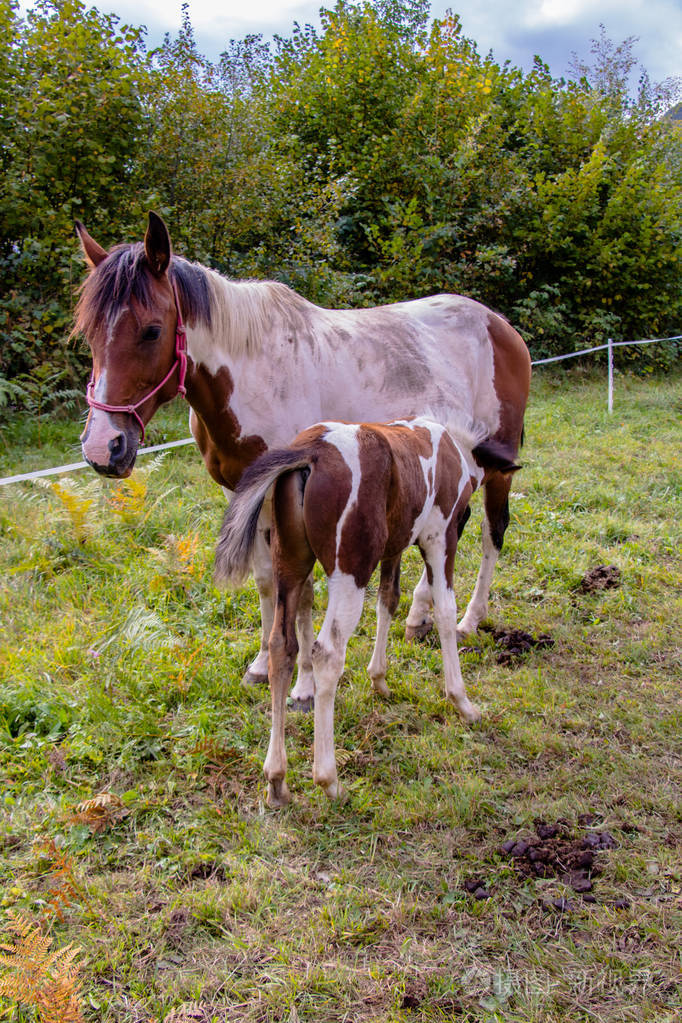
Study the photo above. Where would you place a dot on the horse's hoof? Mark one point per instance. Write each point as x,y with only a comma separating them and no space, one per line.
252,678
468,626
278,794
471,714
379,686
417,631
301,706
336,793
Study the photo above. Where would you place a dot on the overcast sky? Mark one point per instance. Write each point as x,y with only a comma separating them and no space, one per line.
554,29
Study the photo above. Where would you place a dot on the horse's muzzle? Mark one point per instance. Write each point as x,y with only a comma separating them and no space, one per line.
110,451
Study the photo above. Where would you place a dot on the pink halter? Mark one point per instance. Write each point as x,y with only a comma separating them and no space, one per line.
180,364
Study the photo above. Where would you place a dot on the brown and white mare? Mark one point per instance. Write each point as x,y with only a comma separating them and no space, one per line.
263,363
351,496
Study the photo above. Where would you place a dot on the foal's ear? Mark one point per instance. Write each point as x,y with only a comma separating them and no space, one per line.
157,245
94,253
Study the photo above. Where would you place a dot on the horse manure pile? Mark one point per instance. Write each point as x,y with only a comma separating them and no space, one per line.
555,851
515,643
603,577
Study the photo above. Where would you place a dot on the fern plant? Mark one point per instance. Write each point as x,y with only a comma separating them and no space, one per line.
100,812
77,502
128,498
177,560
38,977
64,889
76,499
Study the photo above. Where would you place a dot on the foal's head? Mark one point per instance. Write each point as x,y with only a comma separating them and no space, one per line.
128,314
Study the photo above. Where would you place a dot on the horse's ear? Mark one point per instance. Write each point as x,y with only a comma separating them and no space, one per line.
94,253
157,245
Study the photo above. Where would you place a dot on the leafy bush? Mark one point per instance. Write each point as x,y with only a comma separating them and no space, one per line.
377,159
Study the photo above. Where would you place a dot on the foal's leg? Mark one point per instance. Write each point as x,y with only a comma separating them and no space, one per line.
496,507
387,602
257,672
303,693
445,609
283,648
261,563
420,618
329,654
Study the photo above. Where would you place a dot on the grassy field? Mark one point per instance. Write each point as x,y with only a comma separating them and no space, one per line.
132,816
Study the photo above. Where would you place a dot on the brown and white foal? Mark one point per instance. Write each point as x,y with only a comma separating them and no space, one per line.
351,496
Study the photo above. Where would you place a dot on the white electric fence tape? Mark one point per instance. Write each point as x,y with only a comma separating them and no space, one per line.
83,465
190,440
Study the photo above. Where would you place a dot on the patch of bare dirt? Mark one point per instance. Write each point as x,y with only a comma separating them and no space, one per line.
603,577
207,870
178,927
416,991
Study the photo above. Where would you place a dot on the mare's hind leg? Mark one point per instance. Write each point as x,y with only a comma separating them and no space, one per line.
329,654
387,602
257,672
420,617
495,522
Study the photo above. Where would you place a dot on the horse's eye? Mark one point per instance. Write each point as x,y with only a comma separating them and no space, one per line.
152,333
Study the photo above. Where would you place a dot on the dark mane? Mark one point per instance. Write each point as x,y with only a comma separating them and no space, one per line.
125,275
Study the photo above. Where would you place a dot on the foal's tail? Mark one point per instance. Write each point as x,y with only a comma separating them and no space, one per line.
238,532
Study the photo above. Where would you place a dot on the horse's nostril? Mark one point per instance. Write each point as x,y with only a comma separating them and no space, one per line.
117,448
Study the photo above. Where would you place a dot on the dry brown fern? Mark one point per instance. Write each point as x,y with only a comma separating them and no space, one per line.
64,889
36,976
100,812
189,1012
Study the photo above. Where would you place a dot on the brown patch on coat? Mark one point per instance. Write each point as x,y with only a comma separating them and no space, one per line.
366,528
511,378
216,428
326,495
391,495
407,490
449,471
291,549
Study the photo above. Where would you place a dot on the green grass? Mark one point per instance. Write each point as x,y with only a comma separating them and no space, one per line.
120,670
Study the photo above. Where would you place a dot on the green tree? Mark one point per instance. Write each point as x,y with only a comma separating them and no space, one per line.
70,86
375,159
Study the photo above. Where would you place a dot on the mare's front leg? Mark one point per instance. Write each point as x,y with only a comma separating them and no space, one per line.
439,556
387,603
495,522
257,672
420,617
329,655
